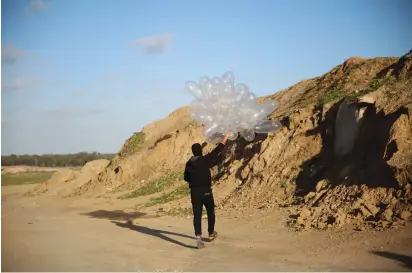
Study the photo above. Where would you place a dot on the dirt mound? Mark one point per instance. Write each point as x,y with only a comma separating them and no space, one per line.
65,181
358,205
155,132
95,166
166,147
57,180
343,156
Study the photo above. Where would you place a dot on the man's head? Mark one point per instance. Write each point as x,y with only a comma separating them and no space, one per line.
197,149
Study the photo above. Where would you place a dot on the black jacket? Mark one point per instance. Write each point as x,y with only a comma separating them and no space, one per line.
197,170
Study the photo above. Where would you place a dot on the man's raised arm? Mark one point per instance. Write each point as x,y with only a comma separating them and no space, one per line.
211,157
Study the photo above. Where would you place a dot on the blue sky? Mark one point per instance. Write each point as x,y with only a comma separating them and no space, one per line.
83,75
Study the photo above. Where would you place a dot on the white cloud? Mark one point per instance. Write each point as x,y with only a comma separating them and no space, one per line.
18,84
10,54
35,6
154,44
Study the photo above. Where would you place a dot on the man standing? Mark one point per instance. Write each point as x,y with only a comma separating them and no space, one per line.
197,174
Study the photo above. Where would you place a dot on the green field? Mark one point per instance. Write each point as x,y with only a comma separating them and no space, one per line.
25,178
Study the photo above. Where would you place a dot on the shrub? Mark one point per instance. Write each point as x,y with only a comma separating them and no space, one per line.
177,193
133,144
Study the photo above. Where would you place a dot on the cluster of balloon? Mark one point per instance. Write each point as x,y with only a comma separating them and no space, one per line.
219,104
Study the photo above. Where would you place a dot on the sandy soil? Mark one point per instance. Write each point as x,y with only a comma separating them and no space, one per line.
26,169
75,234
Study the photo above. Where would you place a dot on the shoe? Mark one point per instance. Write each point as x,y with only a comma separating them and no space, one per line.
212,236
200,243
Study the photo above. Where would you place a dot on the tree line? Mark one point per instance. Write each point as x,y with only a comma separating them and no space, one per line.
52,160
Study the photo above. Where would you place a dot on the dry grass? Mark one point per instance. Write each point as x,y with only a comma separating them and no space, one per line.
25,178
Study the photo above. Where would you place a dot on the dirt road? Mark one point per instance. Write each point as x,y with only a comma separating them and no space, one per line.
50,234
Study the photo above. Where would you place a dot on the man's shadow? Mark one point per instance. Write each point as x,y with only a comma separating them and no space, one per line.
155,232
406,261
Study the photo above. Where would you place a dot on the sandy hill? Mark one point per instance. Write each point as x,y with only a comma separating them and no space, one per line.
344,155
64,181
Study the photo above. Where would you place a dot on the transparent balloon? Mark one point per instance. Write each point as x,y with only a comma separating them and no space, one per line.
248,135
233,135
221,104
194,89
205,84
215,139
228,77
268,126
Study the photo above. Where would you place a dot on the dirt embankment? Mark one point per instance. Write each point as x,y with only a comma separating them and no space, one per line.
343,157
64,181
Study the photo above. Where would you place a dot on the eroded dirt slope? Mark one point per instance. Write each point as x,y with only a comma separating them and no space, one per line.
344,155
65,181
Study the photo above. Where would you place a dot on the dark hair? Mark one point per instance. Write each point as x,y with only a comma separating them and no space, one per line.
197,149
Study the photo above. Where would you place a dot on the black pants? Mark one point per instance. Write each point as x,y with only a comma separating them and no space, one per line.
200,197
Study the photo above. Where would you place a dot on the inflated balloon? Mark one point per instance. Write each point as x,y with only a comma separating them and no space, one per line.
268,126
233,135
194,89
228,77
247,134
220,103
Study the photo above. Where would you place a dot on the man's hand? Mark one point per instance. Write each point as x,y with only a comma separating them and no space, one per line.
224,140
